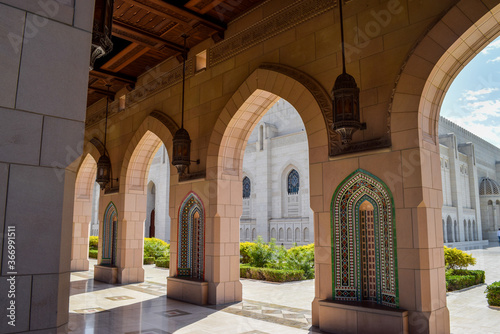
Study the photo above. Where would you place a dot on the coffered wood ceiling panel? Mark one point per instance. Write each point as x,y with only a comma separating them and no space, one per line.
147,32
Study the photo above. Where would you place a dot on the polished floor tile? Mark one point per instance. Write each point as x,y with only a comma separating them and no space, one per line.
267,308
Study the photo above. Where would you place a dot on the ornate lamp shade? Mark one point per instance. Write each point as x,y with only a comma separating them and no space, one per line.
101,30
103,171
345,96
182,150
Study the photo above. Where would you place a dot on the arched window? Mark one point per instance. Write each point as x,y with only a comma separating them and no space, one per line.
109,235
449,229
281,234
247,234
297,234
254,235
306,234
465,231
289,234
273,233
246,187
363,240
455,231
191,253
293,182
445,239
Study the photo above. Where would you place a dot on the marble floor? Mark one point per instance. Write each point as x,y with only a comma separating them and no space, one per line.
266,307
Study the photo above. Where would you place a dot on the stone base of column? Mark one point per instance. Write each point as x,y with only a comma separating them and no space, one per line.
106,274
190,291
80,265
361,317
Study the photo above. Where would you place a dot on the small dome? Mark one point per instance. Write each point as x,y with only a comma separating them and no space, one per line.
489,187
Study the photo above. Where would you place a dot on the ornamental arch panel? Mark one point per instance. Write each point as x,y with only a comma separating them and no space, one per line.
109,235
363,236
191,252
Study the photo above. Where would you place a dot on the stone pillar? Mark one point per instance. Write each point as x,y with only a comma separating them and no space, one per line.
81,230
42,113
263,183
131,212
222,205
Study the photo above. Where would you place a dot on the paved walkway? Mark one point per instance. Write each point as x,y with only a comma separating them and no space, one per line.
266,308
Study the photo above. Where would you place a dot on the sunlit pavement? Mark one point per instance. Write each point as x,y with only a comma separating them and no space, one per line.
266,308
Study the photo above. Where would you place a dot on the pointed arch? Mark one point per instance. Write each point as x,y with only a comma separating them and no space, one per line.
191,247
252,100
356,189
436,61
109,235
141,150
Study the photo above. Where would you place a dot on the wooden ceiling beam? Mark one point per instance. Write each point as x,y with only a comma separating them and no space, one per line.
182,11
156,12
103,92
142,37
103,74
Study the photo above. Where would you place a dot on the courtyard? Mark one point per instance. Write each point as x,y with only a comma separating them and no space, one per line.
97,307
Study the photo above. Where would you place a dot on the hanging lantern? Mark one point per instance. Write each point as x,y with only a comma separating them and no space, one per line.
181,150
345,98
104,163
101,30
103,171
182,142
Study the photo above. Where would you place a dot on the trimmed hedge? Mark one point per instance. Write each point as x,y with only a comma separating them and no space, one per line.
149,260
458,279
93,253
493,294
272,275
163,262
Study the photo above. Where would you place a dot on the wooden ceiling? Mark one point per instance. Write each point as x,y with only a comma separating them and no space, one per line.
147,32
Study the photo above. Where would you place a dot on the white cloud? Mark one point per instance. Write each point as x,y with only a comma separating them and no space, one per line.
473,95
494,60
492,46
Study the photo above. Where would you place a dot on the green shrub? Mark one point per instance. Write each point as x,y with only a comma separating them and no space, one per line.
260,254
149,260
93,241
272,275
455,258
301,258
155,248
245,251
458,279
163,262
93,253
493,294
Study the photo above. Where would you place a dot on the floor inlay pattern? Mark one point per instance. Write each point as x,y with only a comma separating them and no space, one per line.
173,313
117,298
151,288
277,314
149,331
90,310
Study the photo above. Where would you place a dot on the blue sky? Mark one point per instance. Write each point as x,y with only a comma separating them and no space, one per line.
473,99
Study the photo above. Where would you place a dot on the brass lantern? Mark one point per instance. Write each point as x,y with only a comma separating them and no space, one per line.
181,158
345,98
101,30
181,150
104,163
103,171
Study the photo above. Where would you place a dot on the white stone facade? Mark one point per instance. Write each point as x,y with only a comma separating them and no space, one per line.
468,163
276,147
